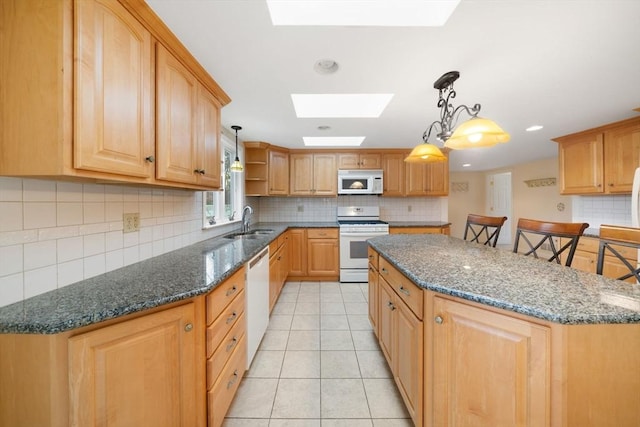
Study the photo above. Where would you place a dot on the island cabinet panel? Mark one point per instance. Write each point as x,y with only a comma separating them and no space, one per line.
487,369
140,372
113,91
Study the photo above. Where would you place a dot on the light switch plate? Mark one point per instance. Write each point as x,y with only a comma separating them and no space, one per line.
131,222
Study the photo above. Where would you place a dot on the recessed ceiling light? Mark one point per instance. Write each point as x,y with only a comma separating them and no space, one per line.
388,13
466,165
325,66
324,127
534,128
333,141
340,105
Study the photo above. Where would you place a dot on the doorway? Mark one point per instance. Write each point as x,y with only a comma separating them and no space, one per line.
499,202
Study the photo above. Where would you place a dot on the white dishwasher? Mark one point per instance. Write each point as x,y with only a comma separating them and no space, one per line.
257,304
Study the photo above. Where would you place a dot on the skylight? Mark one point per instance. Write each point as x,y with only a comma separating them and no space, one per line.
386,13
340,105
333,141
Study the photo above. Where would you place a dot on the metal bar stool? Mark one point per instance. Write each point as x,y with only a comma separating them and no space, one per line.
612,236
485,229
545,231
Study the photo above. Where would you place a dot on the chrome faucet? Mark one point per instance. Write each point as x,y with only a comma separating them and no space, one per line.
246,219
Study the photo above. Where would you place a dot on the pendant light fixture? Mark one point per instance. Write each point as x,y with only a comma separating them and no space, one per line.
476,132
236,166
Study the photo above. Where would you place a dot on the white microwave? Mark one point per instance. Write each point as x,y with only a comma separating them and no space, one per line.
360,181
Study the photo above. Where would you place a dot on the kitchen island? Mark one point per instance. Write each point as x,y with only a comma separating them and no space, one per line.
503,339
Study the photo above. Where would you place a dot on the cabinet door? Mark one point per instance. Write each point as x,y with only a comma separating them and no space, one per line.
348,161
278,173
408,359
322,257
208,153
374,305
301,175
437,178
583,261
113,97
138,372
325,175
416,179
176,139
622,157
370,161
297,250
488,369
393,174
386,325
274,276
581,161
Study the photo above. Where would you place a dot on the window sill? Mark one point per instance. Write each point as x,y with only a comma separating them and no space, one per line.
207,226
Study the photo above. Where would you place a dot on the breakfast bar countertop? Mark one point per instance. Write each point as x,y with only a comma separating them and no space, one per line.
181,274
509,281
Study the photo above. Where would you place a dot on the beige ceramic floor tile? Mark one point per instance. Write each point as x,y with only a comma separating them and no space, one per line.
339,364
305,322
266,364
304,340
334,322
297,398
405,422
280,322
331,297
336,340
283,307
294,423
344,398
384,399
346,423
332,308
365,340
373,364
359,322
274,340
356,307
301,364
245,422
307,307
254,398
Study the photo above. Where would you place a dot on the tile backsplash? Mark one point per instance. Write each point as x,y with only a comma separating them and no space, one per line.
598,210
54,233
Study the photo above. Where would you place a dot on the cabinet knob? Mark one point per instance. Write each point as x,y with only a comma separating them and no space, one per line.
610,184
150,159
391,306
384,270
231,291
188,327
232,344
404,290
234,378
232,317
439,320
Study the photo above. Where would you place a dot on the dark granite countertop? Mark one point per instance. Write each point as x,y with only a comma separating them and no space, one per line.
502,279
418,223
174,276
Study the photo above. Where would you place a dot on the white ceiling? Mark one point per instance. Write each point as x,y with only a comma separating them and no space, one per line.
566,64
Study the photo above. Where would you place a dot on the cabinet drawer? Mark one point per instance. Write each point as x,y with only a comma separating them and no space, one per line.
273,247
220,396
223,324
282,239
591,244
225,350
222,296
406,290
373,257
322,233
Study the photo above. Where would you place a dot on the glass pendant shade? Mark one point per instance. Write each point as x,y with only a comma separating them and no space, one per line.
477,132
236,166
425,153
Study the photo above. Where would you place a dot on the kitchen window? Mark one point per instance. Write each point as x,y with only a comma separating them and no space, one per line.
222,207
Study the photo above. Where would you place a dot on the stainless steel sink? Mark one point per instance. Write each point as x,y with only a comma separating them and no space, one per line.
253,234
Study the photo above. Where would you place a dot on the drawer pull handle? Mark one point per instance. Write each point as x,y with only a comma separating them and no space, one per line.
150,159
439,320
405,290
233,380
188,327
391,306
384,270
370,256
232,290
232,344
231,318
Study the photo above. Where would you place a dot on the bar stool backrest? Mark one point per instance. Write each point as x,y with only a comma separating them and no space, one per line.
483,229
612,236
544,232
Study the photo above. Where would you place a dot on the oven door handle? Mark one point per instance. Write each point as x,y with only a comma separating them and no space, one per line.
364,234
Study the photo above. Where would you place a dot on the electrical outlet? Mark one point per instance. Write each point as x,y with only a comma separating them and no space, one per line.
131,222
409,208
300,208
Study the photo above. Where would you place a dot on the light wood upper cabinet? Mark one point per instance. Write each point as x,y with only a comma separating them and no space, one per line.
600,160
393,174
427,179
278,173
488,369
85,106
313,174
139,372
359,161
113,91
208,140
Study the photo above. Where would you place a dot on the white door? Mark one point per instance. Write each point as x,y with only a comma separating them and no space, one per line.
499,203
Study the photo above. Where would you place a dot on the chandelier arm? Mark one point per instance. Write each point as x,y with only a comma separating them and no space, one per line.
472,112
427,133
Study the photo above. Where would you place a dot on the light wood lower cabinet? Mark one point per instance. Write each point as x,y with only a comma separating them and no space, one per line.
278,267
486,369
445,229
586,258
314,254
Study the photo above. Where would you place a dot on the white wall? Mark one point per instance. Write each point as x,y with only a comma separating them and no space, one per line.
54,233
